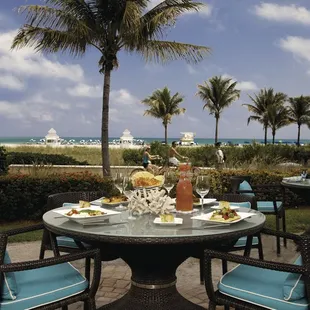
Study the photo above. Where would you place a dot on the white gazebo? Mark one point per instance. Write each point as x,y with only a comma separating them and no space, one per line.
126,140
187,138
52,139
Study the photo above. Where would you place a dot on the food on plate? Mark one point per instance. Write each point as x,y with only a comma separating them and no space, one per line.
84,212
84,204
224,214
167,218
114,199
146,179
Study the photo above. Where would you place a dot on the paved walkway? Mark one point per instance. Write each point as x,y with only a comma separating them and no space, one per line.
115,279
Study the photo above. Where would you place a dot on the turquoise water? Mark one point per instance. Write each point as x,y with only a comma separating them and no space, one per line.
200,141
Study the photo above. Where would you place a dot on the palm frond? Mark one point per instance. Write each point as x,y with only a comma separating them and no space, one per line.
166,51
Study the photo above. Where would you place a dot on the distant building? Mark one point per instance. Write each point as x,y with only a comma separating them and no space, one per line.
187,138
126,140
52,139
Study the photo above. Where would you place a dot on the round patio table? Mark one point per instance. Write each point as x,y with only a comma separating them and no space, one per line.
154,252
300,188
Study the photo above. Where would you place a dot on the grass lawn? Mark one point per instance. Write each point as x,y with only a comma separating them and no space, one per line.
297,221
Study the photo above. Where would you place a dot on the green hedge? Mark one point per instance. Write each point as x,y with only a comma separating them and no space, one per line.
3,161
24,158
24,197
204,156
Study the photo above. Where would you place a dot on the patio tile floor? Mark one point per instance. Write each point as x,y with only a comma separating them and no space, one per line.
115,279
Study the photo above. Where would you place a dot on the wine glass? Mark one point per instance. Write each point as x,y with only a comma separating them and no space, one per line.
119,184
202,187
170,181
128,191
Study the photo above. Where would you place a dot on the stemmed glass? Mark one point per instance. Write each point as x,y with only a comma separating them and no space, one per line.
202,188
119,184
128,192
170,181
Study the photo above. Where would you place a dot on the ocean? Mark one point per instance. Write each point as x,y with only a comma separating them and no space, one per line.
200,141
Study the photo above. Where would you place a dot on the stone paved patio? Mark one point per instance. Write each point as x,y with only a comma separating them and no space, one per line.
115,278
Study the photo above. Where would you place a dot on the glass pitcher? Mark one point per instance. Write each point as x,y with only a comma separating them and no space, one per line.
184,189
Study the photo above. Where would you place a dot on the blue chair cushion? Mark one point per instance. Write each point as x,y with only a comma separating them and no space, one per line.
67,242
259,286
43,286
242,242
10,288
294,287
245,186
267,206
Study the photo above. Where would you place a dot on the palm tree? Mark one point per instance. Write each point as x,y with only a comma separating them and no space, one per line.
218,93
163,106
299,112
261,102
108,26
278,117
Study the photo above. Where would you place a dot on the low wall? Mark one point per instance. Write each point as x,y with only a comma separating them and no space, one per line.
33,169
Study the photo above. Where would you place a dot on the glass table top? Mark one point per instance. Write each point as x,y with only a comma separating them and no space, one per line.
144,227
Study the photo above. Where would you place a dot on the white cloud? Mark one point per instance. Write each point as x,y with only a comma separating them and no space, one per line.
84,90
25,62
193,119
11,82
242,85
123,97
154,68
191,70
298,46
283,13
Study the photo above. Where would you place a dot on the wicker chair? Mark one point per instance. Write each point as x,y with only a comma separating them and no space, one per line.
46,283
66,244
242,242
274,206
256,284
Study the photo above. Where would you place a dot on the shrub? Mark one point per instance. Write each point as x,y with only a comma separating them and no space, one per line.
133,157
24,198
31,158
3,162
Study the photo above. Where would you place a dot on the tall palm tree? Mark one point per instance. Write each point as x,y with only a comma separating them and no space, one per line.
163,106
299,112
261,102
218,93
278,117
108,26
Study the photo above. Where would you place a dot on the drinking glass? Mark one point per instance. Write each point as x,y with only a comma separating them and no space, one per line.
202,188
119,184
170,181
128,191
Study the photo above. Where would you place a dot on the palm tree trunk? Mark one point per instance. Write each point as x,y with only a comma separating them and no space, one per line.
298,136
166,133
105,124
273,136
266,129
216,128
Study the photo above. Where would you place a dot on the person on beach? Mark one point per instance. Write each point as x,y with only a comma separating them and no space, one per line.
173,155
147,158
220,156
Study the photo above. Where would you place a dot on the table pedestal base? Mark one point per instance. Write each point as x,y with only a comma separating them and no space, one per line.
152,299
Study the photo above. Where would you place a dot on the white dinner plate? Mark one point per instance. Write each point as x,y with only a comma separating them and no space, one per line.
205,201
231,207
81,218
99,202
206,217
177,221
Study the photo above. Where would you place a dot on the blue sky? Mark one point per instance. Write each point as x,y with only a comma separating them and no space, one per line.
258,43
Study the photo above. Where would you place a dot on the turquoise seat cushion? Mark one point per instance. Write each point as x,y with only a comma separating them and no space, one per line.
67,242
294,287
245,186
242,242
259,286
42,286
267,206
9,285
